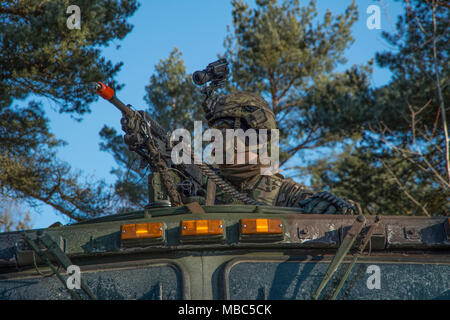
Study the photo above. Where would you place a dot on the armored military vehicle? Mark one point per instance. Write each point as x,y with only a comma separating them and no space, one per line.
230,252
183,247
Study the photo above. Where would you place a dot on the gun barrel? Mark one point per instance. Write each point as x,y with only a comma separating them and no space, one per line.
126,110
109,94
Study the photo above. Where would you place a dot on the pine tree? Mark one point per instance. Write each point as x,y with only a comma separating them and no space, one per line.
42,58
171,94
401,164
286,54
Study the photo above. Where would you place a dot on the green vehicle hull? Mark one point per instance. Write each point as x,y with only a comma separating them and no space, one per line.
406,258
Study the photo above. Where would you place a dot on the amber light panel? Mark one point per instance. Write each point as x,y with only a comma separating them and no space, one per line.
141,230
201,227
261,226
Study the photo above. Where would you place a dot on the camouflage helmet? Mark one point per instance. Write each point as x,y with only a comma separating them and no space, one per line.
243,105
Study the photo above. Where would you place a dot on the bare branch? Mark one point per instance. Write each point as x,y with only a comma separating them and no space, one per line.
436,122
410,155
302,145
415,17
440,3
424,106
286,89
441,100
389,19
287,106
13,12
397,181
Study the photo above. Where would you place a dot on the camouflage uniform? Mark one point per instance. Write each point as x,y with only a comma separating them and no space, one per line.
247,110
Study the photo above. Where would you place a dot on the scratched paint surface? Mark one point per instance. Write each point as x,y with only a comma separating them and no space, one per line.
142,284
293,280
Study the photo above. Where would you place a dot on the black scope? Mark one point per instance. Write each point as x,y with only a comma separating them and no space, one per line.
216,72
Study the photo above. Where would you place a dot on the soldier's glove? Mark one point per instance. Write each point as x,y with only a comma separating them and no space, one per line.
133,135
327,203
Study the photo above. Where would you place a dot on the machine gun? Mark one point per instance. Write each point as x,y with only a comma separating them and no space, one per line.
152,142
170,183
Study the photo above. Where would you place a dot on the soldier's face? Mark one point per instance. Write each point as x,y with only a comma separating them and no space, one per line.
222,125
250,153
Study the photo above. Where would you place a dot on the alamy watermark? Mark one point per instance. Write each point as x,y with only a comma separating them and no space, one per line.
374,280
374,20
74,20
227,147
74,277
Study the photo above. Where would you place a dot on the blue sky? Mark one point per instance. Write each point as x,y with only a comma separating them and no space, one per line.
197,28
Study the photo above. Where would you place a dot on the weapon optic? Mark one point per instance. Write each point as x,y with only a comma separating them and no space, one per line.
216,72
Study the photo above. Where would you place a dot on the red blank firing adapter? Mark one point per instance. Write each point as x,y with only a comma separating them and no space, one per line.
104,91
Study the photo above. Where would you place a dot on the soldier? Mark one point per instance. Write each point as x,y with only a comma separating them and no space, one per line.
245,110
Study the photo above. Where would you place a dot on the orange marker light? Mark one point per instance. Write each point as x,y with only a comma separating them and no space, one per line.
201,227
261,226
141,231
104,91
